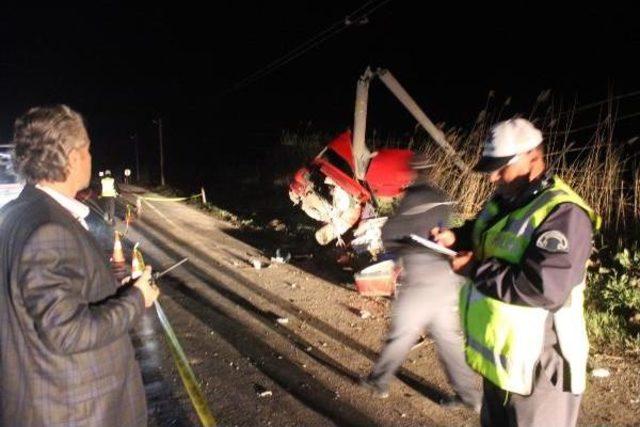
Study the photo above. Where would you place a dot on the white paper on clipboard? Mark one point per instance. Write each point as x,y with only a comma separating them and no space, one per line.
432,245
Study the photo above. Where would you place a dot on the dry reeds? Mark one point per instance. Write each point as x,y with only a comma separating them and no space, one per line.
602,170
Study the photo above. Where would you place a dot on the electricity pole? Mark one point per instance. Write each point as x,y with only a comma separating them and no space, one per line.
135,145
161,152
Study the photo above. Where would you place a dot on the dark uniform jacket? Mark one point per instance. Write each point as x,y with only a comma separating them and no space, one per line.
422,208
549,270
65,354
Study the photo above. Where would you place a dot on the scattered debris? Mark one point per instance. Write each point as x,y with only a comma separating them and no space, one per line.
277,225
281,258
600,373
262,391
364,314
283,320
368,236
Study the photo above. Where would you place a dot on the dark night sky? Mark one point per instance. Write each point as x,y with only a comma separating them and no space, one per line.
122,65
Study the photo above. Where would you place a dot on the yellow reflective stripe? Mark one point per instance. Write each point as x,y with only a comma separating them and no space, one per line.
487,353
168,199
186,373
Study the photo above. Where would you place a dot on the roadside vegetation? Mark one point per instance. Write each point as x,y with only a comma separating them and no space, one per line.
601,168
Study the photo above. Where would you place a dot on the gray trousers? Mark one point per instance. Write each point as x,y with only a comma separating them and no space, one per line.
548,405
428,300
109,209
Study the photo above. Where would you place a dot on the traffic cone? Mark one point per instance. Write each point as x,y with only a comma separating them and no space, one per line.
137,262
129,215
118,254
138,206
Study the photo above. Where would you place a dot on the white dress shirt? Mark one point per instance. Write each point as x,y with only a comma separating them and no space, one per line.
79,210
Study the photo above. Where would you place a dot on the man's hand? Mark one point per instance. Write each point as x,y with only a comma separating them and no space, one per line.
462,263
443,236
149,291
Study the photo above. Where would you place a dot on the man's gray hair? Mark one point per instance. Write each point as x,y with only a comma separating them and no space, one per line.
43,138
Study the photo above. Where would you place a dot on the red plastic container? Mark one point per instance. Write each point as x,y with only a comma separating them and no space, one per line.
378,279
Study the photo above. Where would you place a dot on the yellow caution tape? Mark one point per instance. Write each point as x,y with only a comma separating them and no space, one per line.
169,199
185,371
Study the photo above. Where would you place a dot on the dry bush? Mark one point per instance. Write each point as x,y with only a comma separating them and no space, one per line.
598,167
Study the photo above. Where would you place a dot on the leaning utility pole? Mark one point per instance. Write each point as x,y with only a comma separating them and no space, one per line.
161,152
438,136
361,154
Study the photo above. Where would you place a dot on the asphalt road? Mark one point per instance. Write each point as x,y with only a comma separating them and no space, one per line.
284,344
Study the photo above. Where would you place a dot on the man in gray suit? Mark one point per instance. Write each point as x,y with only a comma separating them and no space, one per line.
428,299
65,354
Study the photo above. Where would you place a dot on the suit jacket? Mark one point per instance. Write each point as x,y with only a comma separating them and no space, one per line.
65,354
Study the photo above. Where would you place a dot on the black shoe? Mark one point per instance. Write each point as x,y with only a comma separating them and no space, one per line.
378,390
455,402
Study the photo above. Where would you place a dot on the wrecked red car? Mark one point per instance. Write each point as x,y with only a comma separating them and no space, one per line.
328,191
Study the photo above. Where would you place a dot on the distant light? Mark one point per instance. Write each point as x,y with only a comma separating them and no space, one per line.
127,172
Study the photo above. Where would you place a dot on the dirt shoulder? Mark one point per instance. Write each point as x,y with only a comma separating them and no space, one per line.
297,330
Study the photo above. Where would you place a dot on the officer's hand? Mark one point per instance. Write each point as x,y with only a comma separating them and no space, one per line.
443,236
462,263
149,290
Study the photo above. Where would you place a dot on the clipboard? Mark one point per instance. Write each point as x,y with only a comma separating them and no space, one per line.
432,245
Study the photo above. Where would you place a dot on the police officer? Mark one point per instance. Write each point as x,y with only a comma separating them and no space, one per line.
522,313
109,195
428,298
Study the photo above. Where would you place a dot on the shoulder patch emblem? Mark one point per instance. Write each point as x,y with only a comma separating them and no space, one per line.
553,241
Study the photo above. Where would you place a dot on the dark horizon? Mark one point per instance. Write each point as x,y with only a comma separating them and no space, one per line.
123,66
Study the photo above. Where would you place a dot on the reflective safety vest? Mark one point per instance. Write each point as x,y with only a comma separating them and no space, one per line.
504,341
108,187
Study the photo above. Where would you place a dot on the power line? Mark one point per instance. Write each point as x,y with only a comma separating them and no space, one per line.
601,102
309,44
302,48
595,125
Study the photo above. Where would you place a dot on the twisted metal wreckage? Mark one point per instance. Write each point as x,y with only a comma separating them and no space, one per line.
344,186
